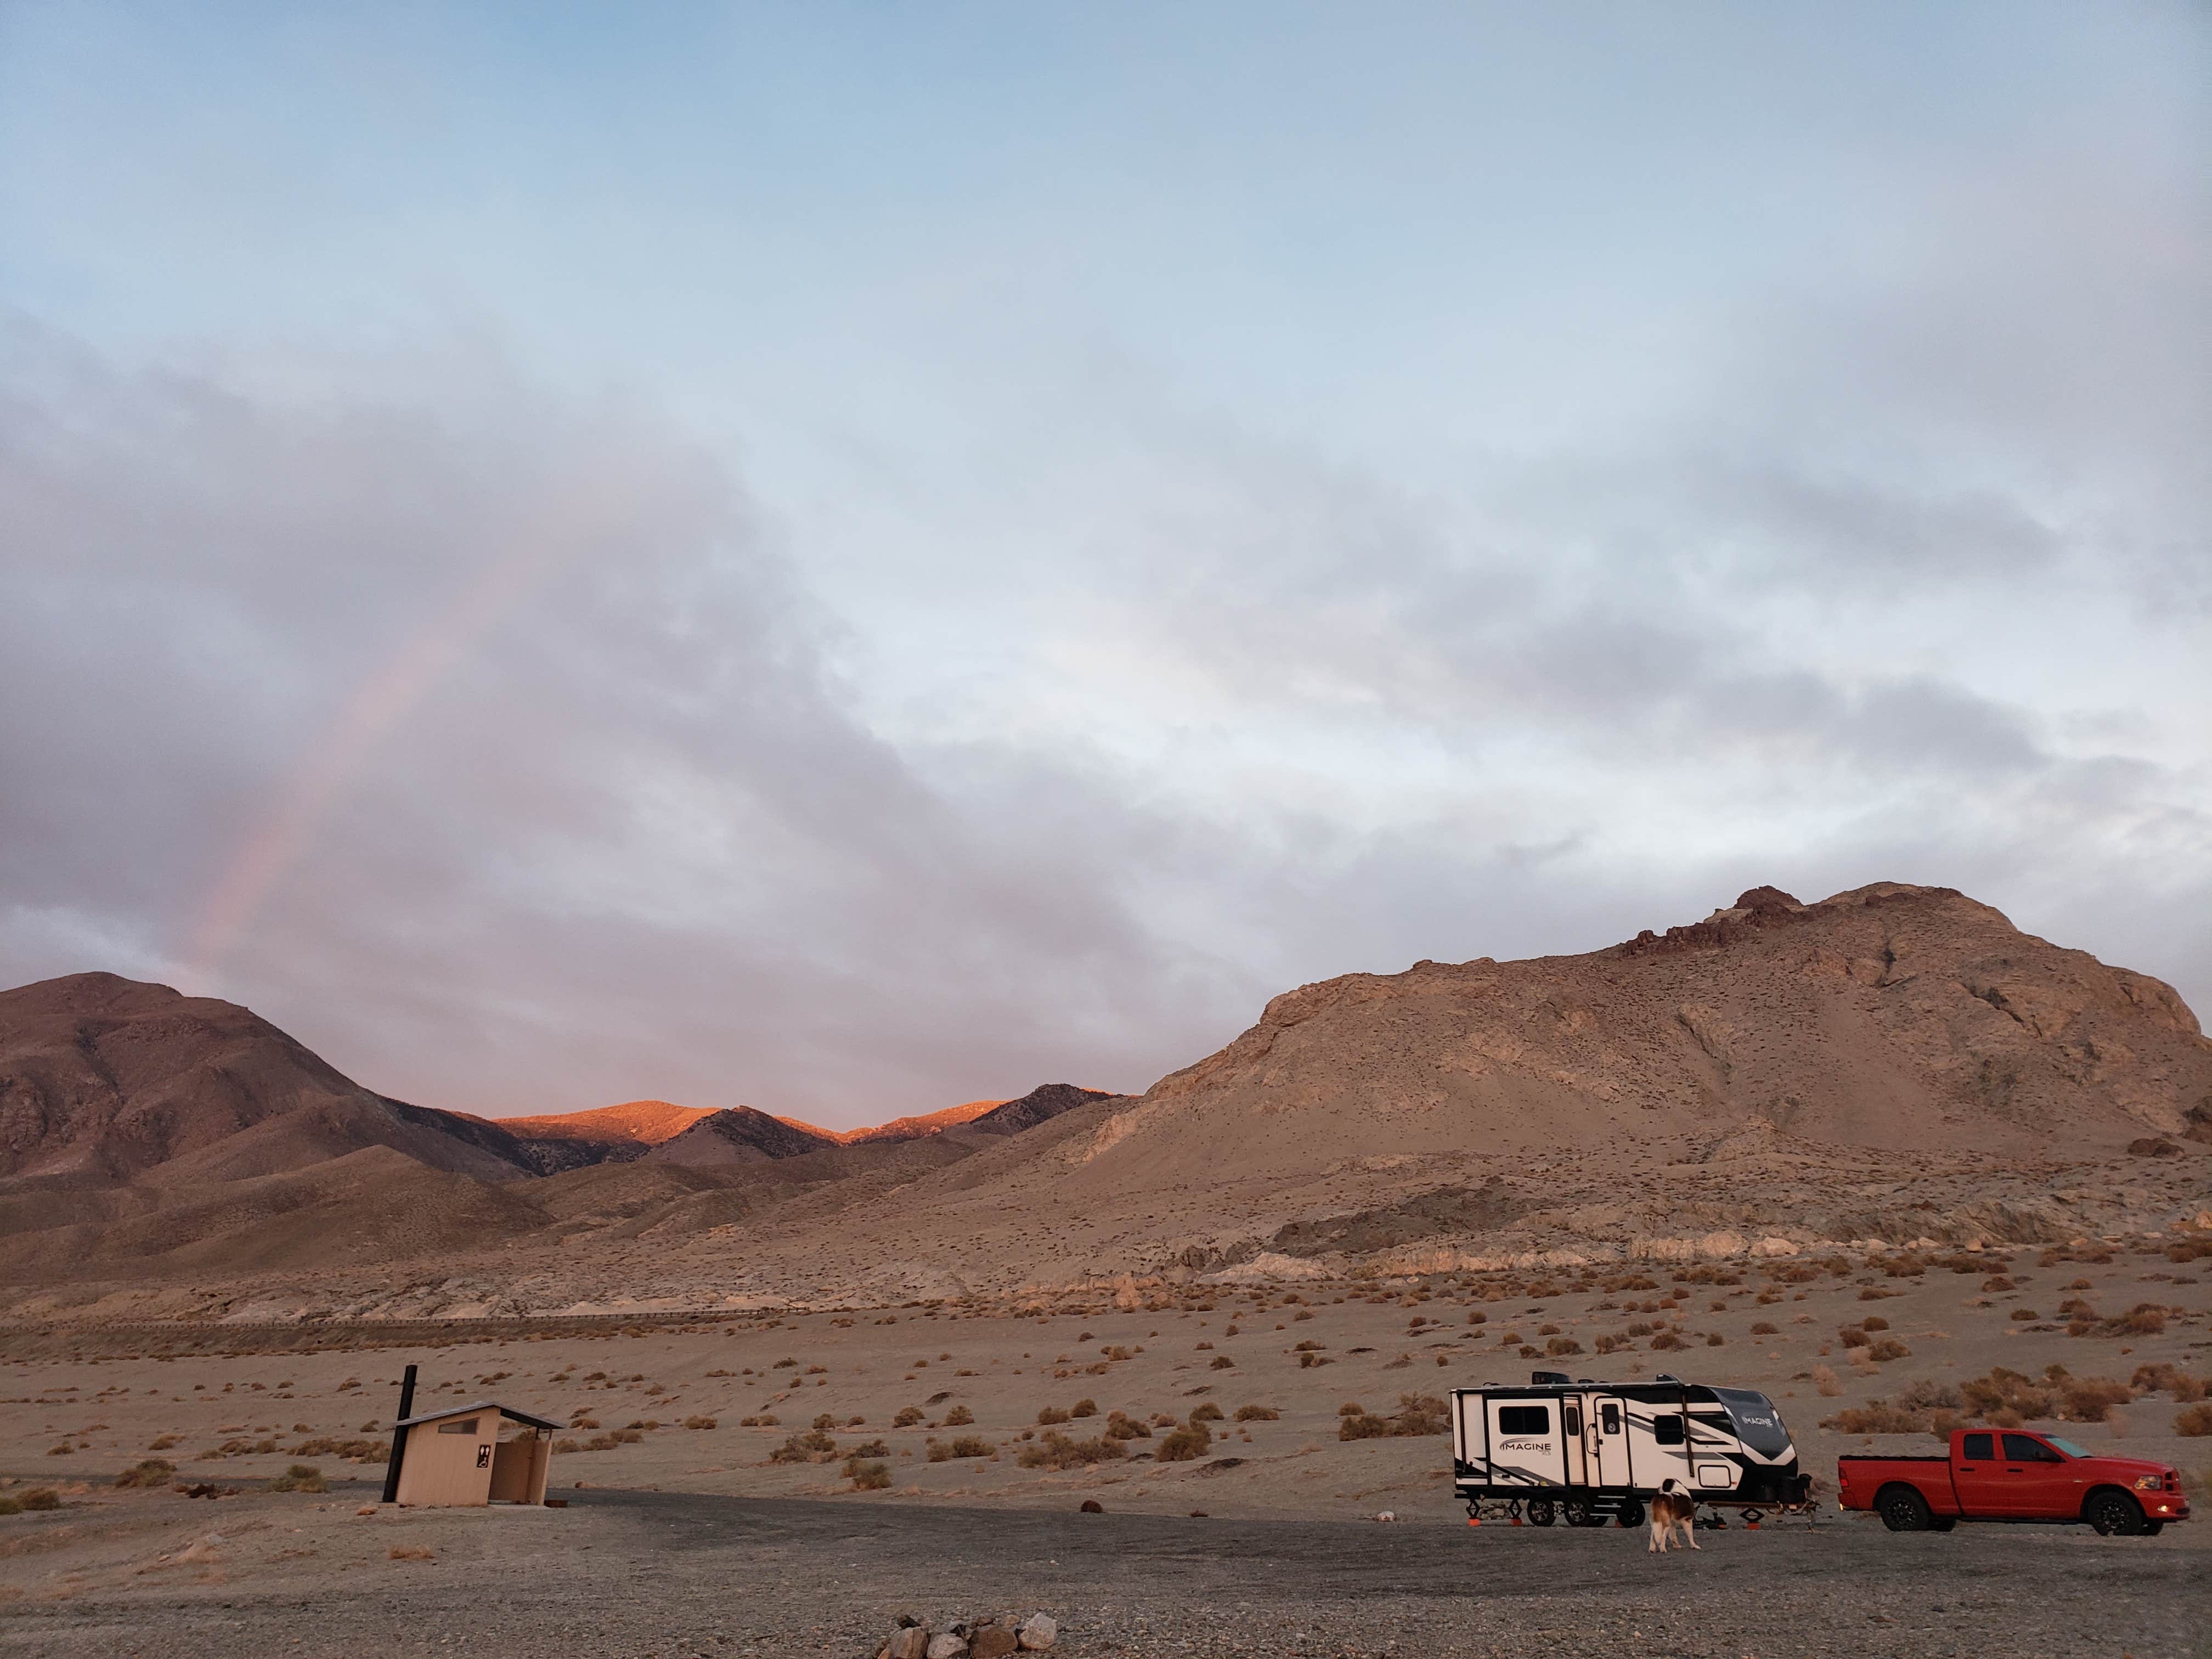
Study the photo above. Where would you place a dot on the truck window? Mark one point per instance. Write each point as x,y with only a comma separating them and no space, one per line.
1666,1428
1608,1417
2020,1448
1524,1420
1571,1420
1978,1448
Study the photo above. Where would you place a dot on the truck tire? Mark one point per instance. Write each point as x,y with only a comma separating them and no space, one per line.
1902,1510
2113,1514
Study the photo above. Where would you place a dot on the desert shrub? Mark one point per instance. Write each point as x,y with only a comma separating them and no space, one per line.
1119,1425
966,1445
1208,1413
1925,1393
2088,1399
1362,1427
1182,1445
354,1451
1548,1330
2005,1392
1612,1342
1667,1341
1352,1408
1084,1408
1055,1450
1222,1362
1420,1414
908,1417
1853,1336
163,1441
628,1438
867,1477
10,1505
826,1422
1478,1317
2169,1379
702,1423
1825,1382
150,1472
301,1477
959,1417
1996,1282
1875,1417
1762,1328
2191,1421
567,1445
1560,1346
1715,1339
811,1447
1257,1414
1874,1322
869,1449
39,1498
1051,1415
1888,1348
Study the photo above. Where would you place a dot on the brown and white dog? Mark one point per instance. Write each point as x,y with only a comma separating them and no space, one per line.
1672,1510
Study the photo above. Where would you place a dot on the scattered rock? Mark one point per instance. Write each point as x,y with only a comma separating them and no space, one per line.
910,1643
1040,1632
2153,1147
947,1646
993,1642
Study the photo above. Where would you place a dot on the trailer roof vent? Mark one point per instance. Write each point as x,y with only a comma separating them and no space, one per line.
1547,1378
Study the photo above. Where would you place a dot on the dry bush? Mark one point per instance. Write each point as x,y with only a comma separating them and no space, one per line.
356,1451
163,1441
867,1476
966,1445
769,1420
1888,1348
1222,1362
826,1422
1874,1322
1996,1282
702,1423
1611,1343
1119,1425
1050,1415
2164,1377
1715,1339
1186,1444
410,1553
1925,1393
1667,1341
1876,1416
301,1477
1208,1413
2090,1399
869,1449
959,1417
909,1415
567,1444
152,1472
1084,1408
1825,1382
1257,1414
1853,1336
1057,1451
811,1447
2006,1393
1560,1346
1762,1328
2191,1421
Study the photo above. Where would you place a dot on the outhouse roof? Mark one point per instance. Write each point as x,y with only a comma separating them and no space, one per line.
445,1412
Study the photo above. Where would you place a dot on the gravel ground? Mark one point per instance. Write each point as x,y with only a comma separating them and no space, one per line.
668,1574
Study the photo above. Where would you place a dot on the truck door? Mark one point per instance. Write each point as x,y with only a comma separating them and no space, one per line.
1977,1476
1526,1448
1605,1440
2037,1480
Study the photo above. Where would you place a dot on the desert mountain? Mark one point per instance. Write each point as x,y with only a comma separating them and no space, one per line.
737,1134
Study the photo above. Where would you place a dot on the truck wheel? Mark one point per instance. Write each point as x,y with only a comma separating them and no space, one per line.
1944,1523
1903,1509
1631,1512
2113,1514
1542,1512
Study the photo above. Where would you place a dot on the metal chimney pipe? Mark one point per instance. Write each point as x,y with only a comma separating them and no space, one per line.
400,1435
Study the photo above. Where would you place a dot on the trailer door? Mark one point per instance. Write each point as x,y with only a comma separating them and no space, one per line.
1527,1447
1574,1439
1605,1438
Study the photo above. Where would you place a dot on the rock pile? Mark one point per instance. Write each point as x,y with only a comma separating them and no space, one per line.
990,1638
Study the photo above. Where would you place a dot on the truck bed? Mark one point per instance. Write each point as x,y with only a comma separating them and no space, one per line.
1870,1457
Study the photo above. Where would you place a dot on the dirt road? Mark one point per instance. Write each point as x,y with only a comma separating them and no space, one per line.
638,1573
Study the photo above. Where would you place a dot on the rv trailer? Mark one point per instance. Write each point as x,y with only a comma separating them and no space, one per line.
1593,1451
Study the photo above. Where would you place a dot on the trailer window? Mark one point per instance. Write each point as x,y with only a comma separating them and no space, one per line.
1666,1428
1571,1420
1608,1417
1978,1448
1524,1420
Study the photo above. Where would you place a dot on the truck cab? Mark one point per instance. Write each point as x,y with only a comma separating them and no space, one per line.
2014,1474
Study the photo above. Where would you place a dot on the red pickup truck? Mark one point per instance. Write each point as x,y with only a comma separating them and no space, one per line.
2009,1474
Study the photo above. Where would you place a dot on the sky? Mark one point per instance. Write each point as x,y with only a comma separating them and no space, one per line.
846,558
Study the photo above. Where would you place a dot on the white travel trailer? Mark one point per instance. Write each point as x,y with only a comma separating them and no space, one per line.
1592,1451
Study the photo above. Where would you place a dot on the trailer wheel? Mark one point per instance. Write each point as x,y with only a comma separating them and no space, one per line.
1542,1512
1577,1513
1902,1510
1631,1512
2113,1514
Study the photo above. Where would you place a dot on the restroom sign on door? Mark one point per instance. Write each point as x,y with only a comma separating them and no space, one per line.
483,1457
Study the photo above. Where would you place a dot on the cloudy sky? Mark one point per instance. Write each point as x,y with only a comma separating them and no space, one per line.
848,558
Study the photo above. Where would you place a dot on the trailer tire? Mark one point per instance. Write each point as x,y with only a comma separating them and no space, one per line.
1902,1508
2113,1513
1631,1512
1577,1513
1542,1512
